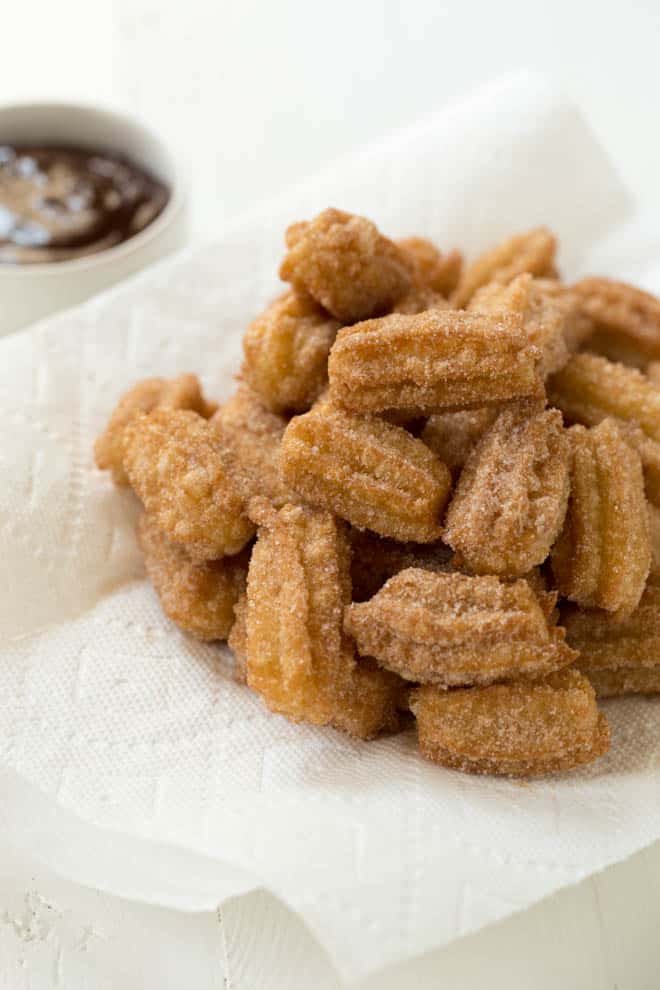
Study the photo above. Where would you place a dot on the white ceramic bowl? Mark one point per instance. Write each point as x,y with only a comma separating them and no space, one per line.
30,291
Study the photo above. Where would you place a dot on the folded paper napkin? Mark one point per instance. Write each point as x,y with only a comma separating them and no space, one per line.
112,716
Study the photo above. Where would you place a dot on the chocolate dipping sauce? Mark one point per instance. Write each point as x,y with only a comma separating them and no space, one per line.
58,203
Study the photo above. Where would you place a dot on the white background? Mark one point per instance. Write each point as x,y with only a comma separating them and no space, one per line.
254,95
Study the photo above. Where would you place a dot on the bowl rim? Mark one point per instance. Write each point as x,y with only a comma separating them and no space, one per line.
151,232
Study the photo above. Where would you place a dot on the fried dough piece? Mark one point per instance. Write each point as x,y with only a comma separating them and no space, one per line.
374,474
375,559
173,462
453,435
298,658
543,316
455,629
590,388
286,353
346,264
418,300
521,729
183,392
618,657
431,267
577,326
237,640
437,360
198,597
250,439
603,555
625,321
533,252
511,498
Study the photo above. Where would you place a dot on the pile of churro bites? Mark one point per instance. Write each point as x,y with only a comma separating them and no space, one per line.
433,495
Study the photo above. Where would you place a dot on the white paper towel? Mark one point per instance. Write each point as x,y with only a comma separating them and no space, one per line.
110,719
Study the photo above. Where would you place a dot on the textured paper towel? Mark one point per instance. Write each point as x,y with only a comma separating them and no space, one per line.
108,712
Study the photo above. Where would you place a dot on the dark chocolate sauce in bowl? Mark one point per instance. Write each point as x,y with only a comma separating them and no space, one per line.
60,202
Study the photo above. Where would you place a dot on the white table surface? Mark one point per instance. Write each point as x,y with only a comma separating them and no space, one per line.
255,95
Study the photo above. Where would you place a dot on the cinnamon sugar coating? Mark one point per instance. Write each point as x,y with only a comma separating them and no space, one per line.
543,315
173,462
346,264
618,657
523,729
603,555
455,629
431,267
286,353
437,360
511,498
453,435
374,474
250,437
625,321
533,251
198,596
298,658
183,392
591,388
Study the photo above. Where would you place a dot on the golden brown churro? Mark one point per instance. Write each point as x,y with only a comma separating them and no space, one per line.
591,388
533,252
523,729
454,629
511,498
198,596
625,321
173,462
346,264
438,360
603,555
286,353
618,657
375,475
298,658
250,437
183,392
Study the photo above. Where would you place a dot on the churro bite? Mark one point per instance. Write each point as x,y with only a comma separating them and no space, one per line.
522,729
250,438
198,596
455,629
431,267
591,388
286,352
603,554
346,264
173,462
371,473
625,321
418,299
437,360
298,657
533,251
618,656
453,435
183,392
511,498
543,315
